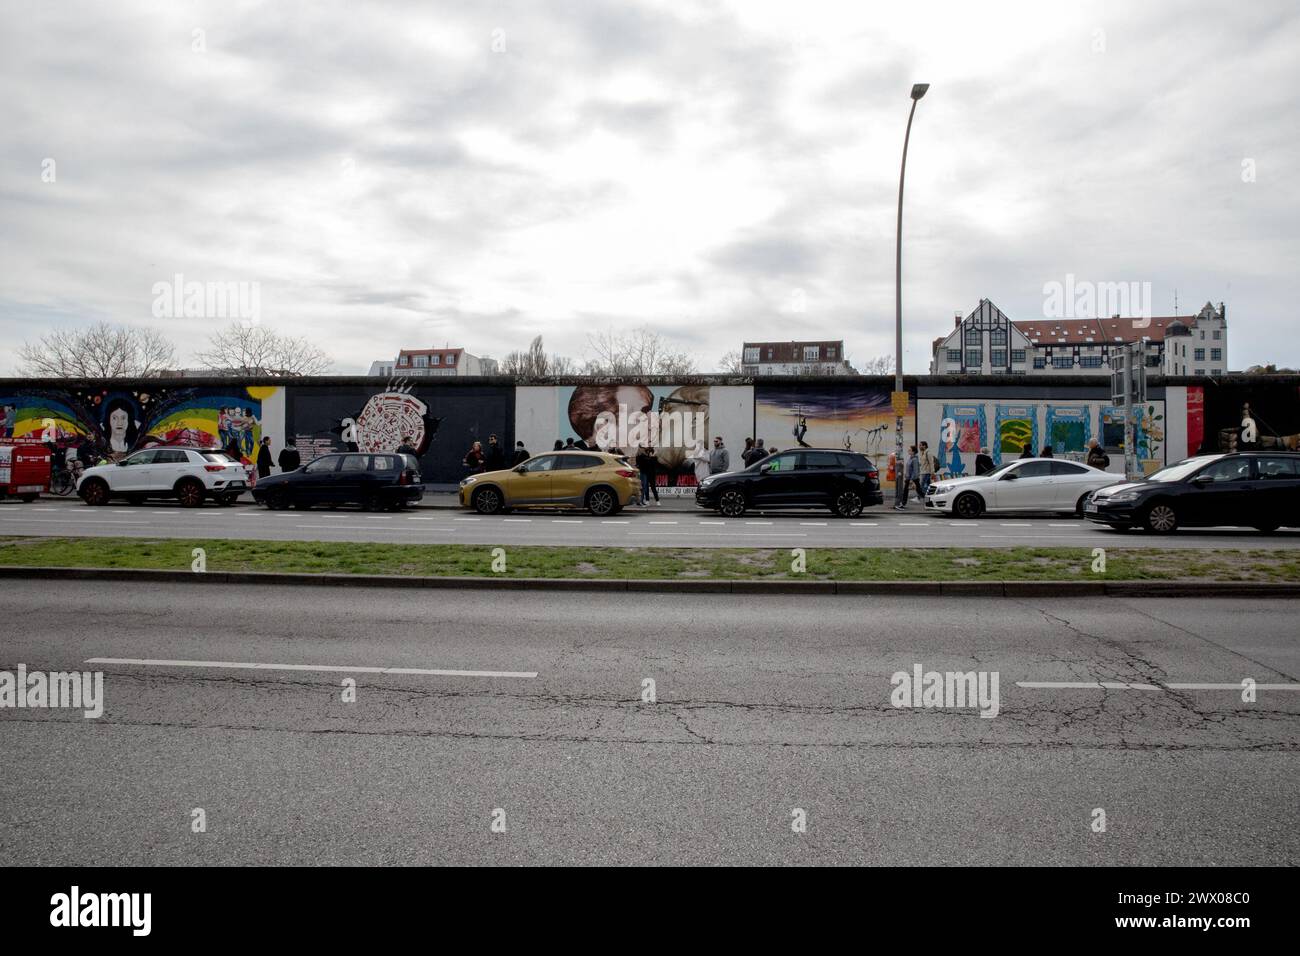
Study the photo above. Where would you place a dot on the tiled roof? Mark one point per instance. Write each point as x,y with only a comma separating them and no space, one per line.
1098,331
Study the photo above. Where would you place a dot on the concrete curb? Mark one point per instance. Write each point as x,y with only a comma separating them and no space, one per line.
1011,589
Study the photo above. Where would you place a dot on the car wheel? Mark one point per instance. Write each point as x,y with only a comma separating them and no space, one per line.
226,501
487,501
732,503
1079,505
190,493
94,492
28,499
848,504
1160,518
302,505
372,503
968,505
601,502
277,500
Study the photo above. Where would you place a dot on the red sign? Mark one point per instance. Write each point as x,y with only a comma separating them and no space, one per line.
1195,418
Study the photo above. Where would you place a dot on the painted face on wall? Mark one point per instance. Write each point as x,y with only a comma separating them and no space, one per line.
118,420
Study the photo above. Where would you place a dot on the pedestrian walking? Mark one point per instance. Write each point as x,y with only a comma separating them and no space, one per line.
699,461
928,468
474,458
494,458
983,463
647,463
911,475
264,458
719,458
290,459
747,451
1026,451
1046,452
758,453
521,454
1097,457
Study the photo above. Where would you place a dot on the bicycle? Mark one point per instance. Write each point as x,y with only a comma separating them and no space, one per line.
64,481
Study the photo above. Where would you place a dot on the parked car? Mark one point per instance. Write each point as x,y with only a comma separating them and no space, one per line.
190,475
380,481
1254,489
595,480
1027,484
843,481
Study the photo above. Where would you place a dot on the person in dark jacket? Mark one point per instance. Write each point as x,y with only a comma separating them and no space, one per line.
264,458
289,459
983,463
647,463
1026,452
1046,452
406,447
559,445
521,454
1097,457
494,459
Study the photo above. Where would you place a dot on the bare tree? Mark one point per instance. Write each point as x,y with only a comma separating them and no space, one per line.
101,351
245,349
731,363
638,352
536,363
880,365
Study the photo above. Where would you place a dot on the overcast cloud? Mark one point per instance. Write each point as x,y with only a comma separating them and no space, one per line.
408,175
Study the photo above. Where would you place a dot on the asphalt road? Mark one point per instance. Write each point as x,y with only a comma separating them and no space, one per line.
671,525
764,706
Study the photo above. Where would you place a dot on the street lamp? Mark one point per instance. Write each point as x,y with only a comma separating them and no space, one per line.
918,91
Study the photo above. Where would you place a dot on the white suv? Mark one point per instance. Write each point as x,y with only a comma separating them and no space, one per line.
187,474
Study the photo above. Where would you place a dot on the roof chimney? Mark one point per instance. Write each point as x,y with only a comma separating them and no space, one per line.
956,316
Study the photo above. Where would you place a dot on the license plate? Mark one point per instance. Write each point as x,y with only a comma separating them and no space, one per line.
30,488
1090,506
234,484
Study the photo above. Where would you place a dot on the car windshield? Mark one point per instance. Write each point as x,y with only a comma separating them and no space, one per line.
1000,469
218,457
1179,471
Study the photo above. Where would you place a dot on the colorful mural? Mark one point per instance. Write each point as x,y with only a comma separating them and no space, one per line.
1246,415
825,415
962,433
104,423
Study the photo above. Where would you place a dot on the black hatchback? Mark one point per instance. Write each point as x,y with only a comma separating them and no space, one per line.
1256,489
377,482
843,481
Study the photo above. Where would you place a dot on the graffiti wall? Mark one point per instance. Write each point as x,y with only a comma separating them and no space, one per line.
957,430
1237,415
440,422
103,423
826,414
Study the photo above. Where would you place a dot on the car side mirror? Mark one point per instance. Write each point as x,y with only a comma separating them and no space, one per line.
764,469
520,469
1202,480
120,464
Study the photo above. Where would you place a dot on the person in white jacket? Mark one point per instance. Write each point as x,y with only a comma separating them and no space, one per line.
699,459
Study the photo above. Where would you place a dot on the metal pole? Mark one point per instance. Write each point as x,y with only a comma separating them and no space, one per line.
898,314
1130,470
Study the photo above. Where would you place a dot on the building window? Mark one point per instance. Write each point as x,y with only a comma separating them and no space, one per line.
751,355
812,353
998,337
435,359
999,357
421,361
1216,371
771,353
954,356
1063,361
1199,355
1040,362
1199,371
973,336
1090,361
1017,356
973,358
1218,334
402,360
1216,355
830,351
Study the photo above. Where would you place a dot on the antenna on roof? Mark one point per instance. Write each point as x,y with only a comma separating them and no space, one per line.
1175,303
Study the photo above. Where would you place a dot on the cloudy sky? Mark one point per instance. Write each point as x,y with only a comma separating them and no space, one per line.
411,175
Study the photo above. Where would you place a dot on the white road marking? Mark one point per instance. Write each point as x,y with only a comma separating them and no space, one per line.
1072,525
458,519
415,518
365,527
728,534
339,669
1236,686
565,521
758,522
914,524
663,522
812,524
614,522
524,520
1085,684
711,522
1005,524
863,524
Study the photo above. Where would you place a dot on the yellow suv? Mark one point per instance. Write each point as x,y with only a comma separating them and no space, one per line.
595,480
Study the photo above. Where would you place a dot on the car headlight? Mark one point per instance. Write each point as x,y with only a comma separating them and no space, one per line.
1122,496
468,481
